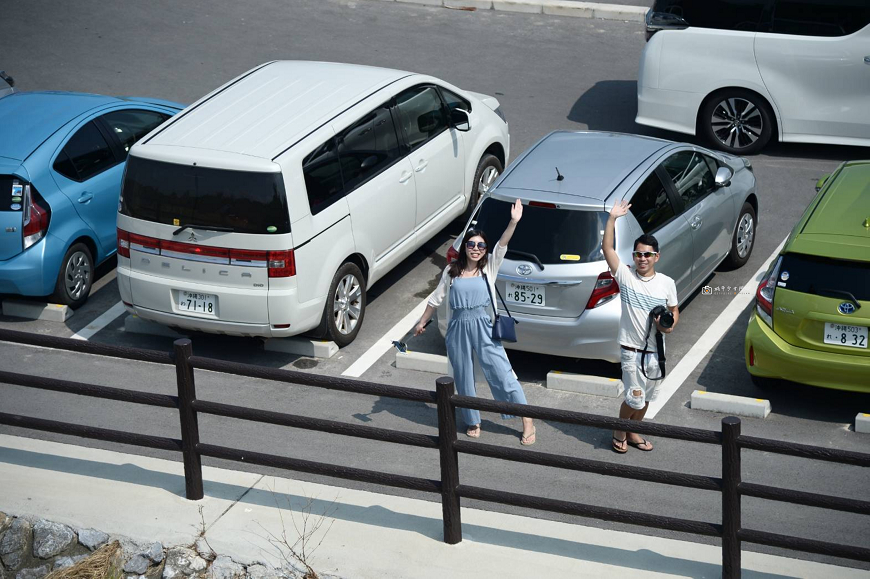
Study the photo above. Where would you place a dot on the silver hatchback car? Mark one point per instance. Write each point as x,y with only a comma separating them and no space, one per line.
700,205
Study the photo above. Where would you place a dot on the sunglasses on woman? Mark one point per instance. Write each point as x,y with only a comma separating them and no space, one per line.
646,254
471,244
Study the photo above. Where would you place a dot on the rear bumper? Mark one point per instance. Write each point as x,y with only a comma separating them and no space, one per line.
667,109
33,272
776,358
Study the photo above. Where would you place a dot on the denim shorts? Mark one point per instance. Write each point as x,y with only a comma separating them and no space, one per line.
639,390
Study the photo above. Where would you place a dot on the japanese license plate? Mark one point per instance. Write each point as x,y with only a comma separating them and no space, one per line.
196,302
525,294
846,335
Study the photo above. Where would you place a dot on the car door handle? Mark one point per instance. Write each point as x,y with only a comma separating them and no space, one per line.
405,177
697,222
85,197
421,166
867,60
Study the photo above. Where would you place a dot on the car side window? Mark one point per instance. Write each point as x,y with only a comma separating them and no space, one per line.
744,15
131,125
421,114
819,17
691,176
86,154
322,173
651,205
368,147
454,101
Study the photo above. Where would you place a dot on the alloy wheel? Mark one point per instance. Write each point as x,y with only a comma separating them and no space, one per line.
77,275
487,178
745,234
347,304
737,122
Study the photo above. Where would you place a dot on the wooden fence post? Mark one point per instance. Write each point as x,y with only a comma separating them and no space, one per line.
449,461
189,423
730,498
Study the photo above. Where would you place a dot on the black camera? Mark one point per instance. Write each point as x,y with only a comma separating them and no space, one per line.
666,318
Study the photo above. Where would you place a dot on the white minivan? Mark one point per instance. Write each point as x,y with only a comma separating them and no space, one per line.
269,206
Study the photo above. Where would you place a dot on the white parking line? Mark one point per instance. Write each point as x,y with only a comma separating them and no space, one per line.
374,353
710,338
101,322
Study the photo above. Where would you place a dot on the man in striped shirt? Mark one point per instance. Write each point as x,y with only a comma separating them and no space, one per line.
641,289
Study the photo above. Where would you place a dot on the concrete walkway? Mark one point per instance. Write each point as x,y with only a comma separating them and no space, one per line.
372,535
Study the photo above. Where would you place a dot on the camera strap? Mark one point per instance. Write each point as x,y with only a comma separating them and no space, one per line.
660,351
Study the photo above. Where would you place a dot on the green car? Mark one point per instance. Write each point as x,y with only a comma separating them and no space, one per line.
812,308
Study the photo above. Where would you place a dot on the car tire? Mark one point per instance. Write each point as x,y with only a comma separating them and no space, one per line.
75,277
488,170
736,121
743,238
345,305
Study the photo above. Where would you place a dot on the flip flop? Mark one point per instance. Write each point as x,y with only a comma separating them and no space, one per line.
638,445
530,439
618,449
473,432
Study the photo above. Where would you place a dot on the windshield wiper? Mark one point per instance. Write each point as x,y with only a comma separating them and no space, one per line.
836,293
532,257
206,227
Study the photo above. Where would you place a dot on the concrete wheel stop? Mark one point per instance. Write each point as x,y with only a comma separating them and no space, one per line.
729,404
584,384
37,310
301,347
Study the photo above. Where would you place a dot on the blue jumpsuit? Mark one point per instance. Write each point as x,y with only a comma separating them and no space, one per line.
470,329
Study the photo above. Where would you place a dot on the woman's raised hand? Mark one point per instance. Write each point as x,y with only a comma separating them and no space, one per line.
517,211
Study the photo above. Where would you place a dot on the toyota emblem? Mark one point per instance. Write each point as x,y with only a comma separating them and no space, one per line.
847,308
524,269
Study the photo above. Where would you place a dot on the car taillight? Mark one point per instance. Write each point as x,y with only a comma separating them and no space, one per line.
282,263
36,218
765,294
202,252
452,254
123,243
604,291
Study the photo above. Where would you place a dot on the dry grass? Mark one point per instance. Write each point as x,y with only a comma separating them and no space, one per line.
104,563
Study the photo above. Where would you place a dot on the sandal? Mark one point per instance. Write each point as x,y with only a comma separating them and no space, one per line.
530,439
473,432
642,442
619,449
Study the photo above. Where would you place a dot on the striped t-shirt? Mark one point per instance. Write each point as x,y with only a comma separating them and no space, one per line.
640,295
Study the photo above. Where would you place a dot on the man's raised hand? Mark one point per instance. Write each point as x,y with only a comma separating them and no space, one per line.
620,208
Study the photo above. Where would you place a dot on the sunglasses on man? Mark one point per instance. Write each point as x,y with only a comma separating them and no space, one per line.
646,254
471,244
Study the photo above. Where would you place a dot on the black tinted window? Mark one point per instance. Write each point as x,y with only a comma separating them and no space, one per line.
367,148
721,14
88,152
454,101
550,234
11,193
131,125
820,17
825,276
421,114
244,201
690,175
650,205
322,177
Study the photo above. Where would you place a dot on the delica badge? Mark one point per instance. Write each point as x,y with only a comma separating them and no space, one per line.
569,257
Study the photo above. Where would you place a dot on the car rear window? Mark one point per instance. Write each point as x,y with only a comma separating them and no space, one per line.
552,235
173,194
825,276
11,193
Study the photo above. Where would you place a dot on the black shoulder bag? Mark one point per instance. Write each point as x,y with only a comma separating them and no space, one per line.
503,329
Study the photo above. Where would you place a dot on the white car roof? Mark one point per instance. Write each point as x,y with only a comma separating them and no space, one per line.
268,109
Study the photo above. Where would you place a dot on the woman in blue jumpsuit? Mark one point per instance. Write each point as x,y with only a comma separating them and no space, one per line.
470,327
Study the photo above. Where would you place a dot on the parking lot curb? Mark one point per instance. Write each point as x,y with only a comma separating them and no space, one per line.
584,384
37,311
728,404
301,347
597,10
133,324
862,423
422,362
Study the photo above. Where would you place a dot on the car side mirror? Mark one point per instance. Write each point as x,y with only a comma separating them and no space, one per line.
723,177
821,182
460,120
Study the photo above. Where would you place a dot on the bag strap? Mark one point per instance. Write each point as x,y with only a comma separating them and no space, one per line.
494,310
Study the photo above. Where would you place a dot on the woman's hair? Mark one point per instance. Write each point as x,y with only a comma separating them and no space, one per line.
457,267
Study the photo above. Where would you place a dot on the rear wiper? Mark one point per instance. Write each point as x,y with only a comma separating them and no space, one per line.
206,227
836,293
532,257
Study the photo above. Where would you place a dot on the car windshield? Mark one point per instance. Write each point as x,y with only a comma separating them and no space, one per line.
550,234
239,201
835,278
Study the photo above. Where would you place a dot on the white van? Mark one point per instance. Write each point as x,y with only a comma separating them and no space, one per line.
269,206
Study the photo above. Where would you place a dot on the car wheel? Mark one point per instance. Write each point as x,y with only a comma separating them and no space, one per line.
75,277
488,170
345,304
743,239
737,121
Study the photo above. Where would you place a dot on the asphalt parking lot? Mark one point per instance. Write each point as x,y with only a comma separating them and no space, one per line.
549,73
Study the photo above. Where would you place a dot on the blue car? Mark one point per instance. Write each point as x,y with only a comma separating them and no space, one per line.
62,156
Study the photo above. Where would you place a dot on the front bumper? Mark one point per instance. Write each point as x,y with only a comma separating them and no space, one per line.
776,358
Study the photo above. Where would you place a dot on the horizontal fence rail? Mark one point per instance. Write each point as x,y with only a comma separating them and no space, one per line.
729,485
